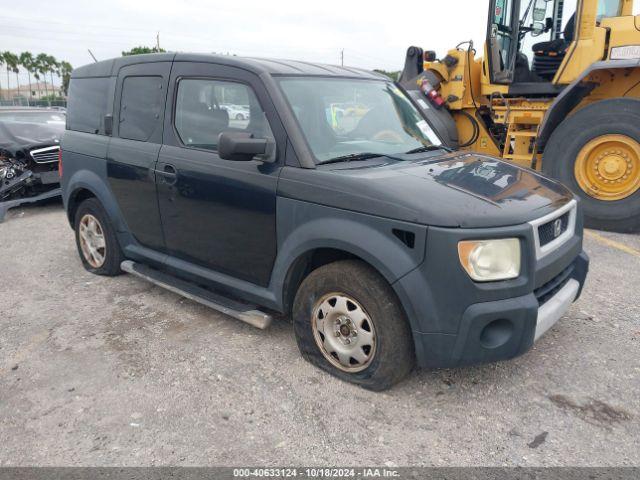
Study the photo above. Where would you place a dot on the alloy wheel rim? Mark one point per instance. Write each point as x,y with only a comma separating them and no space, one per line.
92,242
344,332
608,167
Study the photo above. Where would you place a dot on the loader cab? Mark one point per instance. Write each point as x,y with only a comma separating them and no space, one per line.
528,40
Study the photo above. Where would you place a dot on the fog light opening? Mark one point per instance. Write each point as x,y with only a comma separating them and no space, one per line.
496,333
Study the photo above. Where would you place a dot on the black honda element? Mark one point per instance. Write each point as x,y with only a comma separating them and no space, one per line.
329,199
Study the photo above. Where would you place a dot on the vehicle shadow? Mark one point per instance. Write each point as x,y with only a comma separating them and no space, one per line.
8,212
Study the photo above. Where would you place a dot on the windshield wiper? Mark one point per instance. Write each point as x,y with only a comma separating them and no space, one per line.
352,157
429,148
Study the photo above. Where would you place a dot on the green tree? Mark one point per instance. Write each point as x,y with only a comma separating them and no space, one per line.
42,65
65,73
54,68
12,61
1,64
392,75
142,50
28,62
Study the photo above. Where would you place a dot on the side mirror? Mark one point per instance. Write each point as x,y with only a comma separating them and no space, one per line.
243,147
539,28
540,11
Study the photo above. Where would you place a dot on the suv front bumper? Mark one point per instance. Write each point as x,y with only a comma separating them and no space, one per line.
556,307
456,321
502,329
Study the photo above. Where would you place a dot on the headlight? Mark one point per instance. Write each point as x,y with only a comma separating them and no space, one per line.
490,260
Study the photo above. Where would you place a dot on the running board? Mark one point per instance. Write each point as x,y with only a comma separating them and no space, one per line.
246,313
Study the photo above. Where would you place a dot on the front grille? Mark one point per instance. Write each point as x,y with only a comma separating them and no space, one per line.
45,155
553,229
553,286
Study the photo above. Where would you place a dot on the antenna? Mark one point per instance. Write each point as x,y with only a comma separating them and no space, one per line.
92,55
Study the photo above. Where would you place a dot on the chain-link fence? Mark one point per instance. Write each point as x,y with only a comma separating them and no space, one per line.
25,102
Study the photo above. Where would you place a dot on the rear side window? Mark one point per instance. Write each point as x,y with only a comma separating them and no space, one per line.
140,107
87,104
206,108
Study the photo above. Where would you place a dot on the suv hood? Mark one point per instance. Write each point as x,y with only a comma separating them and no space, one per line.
467,190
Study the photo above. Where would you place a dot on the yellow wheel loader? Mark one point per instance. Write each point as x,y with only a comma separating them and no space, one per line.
558,90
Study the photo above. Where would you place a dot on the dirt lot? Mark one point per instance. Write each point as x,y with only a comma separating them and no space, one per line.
114,371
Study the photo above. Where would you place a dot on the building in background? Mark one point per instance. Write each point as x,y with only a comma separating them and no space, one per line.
38,91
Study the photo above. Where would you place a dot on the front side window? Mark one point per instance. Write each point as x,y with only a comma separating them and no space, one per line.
206,108
349,117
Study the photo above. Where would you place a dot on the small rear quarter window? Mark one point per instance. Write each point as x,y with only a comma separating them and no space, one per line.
87,104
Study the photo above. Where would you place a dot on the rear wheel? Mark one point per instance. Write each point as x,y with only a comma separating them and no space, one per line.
348,321
596,152
96,239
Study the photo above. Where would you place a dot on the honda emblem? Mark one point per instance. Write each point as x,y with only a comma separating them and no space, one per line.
557,228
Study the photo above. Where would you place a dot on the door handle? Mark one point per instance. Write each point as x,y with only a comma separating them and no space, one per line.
168,174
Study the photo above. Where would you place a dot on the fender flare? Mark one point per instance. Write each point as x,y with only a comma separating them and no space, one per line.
282,271
88,180
571,96
329,228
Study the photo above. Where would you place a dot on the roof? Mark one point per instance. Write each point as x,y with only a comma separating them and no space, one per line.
271,66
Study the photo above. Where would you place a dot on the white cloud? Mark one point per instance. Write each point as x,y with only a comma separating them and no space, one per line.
372,34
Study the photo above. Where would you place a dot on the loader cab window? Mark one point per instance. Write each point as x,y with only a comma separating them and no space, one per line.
609,8
527,39
502,36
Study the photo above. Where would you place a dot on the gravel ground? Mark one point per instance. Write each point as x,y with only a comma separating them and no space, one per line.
115,371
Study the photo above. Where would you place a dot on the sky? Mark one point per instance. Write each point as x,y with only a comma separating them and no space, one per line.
372,34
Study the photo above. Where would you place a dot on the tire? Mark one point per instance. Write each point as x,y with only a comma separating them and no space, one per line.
90,211
391,354
239,117
617,119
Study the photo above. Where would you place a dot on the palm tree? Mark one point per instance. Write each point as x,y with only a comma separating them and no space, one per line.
2,63
13,63
6,57
28,62
54,67
42,68
65,72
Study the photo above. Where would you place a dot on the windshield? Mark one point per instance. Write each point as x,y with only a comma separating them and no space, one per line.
347,117
42,118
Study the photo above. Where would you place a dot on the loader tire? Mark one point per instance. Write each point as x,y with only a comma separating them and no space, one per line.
596,153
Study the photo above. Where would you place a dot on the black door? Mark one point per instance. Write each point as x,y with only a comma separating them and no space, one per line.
216,213
133,151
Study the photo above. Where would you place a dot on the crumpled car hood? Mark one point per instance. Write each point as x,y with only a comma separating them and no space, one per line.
16,137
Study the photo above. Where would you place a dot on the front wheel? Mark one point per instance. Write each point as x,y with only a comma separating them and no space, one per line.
596,152
349,322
